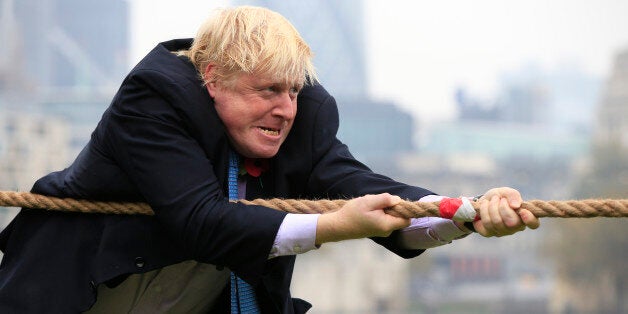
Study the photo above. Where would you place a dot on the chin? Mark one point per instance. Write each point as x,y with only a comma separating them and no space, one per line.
262,153
267,155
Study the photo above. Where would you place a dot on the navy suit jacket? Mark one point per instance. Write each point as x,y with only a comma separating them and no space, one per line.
162,142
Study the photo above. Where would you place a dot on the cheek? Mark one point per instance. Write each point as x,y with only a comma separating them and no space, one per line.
227,111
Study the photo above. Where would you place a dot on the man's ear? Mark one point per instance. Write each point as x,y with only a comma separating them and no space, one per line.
208,76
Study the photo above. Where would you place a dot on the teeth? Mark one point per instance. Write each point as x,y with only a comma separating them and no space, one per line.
269,131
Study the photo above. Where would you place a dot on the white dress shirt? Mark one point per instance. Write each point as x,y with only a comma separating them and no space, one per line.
297,232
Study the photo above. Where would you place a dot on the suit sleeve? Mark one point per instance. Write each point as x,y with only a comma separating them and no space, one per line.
149,139
337,174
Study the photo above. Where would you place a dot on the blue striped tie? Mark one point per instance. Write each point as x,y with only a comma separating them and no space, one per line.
242,295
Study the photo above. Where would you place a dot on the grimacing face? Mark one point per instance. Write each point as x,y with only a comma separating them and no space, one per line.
257,112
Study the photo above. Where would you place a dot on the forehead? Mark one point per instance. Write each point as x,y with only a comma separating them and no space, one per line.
266,80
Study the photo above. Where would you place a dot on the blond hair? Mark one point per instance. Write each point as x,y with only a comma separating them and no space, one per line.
251,40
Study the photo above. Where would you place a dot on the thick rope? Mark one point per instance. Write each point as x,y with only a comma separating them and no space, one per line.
563,209
31,200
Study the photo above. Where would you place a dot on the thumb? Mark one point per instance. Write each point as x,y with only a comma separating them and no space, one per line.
380,201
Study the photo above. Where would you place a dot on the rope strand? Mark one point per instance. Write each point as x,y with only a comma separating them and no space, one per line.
563,209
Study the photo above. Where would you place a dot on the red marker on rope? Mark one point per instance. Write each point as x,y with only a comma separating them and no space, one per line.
459,209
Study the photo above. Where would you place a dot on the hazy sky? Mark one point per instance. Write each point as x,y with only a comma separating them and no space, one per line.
419,51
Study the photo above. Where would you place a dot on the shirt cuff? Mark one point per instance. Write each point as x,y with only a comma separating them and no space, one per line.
429,232
296,235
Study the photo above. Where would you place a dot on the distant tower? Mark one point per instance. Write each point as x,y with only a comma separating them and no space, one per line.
335,32
10,58
60,62
73,44
612,126
525,101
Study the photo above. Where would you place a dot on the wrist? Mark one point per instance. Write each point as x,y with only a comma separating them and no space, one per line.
326,229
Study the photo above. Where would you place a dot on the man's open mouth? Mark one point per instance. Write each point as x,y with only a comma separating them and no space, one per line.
269,131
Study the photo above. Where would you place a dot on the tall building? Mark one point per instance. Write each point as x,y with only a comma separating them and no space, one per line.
612,119
10,59
70,44
60,62
375,131
603,175
66,58
335,32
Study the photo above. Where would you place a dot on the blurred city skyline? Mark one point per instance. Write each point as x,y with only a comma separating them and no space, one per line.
418,54
524,94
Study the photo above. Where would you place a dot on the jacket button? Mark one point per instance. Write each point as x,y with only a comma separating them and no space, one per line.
139,262
92,284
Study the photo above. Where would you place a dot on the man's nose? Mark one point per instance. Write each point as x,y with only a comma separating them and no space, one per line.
284,105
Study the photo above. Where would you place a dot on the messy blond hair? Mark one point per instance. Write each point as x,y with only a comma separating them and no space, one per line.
251,40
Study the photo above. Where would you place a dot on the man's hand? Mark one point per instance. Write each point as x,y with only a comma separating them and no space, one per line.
501,213
360,218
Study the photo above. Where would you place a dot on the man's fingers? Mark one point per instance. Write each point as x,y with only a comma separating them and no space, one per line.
509,216
480,225
496,220
513,196
529,219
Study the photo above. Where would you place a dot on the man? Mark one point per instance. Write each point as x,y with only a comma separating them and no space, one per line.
183,123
